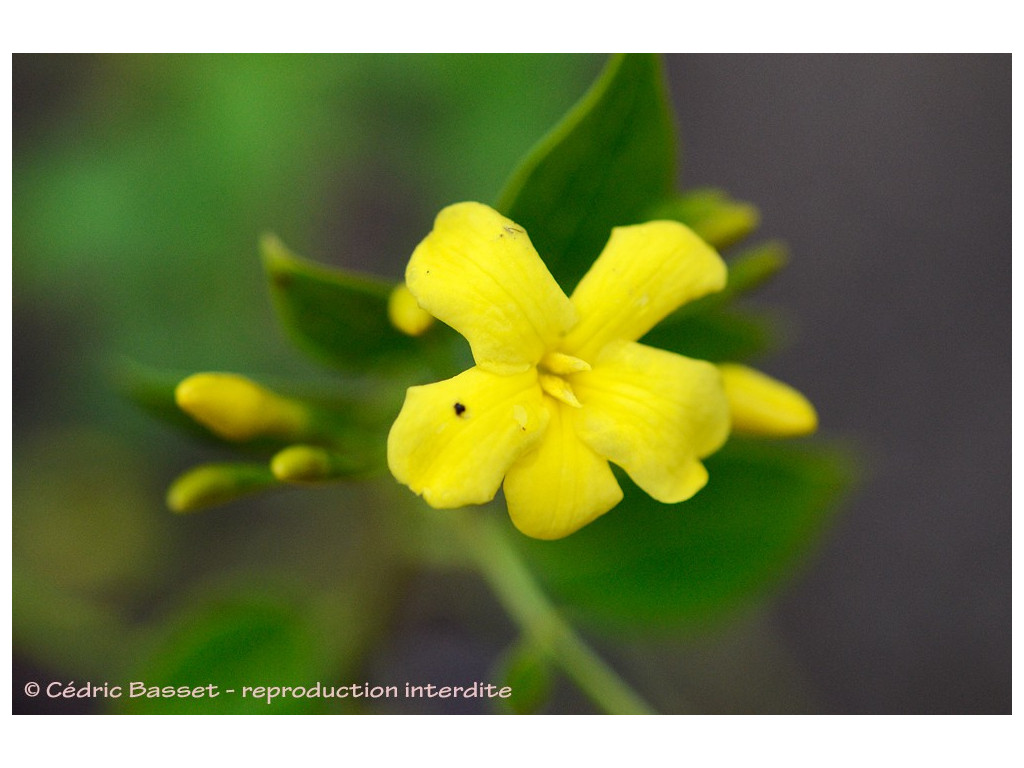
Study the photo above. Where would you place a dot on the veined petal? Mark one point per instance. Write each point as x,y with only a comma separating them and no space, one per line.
644,272
654,413
561,485
761,405
478,272
454,440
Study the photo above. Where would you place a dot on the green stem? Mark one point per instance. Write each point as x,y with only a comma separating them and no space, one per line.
526,603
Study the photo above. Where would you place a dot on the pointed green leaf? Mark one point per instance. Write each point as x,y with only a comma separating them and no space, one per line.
717,335
152,390
339,317
606,164
644,563
754,267
711,328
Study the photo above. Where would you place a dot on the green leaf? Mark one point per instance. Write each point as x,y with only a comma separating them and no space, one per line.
231,642
711,328
339,317
754,267
649,564
719,335
712,214
747,271
152,390
609,161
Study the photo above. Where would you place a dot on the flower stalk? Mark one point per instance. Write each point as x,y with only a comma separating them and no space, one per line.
488,547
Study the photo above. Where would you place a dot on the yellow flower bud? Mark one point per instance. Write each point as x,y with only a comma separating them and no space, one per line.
211,484
238,409
761,405
303,464
406,314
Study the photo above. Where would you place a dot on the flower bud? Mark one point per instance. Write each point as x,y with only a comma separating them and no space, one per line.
238,409
406,314
309,464
211,484
761,405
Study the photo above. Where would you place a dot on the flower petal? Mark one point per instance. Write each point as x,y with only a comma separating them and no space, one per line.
454,440
654,413
561,485
644,272
478,272
761,405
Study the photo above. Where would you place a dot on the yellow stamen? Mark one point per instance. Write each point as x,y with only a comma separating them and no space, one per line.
559,389
562,364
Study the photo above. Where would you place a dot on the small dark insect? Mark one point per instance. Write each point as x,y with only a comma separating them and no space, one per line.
459,409
512,230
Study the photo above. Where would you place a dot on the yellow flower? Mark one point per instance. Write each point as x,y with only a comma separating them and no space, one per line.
560,387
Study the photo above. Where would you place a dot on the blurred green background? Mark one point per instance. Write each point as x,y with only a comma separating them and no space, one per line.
141,186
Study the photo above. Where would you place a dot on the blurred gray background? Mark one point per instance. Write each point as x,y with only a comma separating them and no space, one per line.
889,176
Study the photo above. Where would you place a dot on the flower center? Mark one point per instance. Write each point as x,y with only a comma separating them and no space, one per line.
552,370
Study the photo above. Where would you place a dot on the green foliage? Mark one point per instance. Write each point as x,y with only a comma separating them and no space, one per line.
647,564
606,164
341,318
336,316
152,390
752,268
717,335
748,270
713,328
712,214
